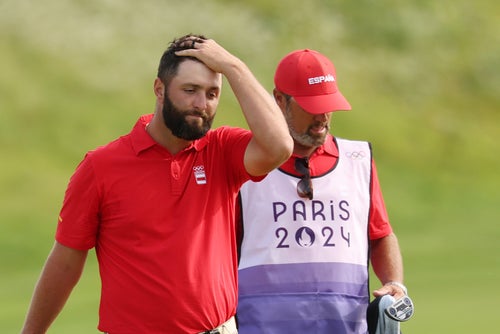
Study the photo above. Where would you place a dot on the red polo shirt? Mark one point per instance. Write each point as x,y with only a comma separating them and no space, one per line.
163,229
322,160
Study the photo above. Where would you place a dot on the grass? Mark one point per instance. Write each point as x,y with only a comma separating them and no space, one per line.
422,78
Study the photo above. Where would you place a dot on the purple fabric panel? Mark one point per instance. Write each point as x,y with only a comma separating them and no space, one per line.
340,278
297,298
288,314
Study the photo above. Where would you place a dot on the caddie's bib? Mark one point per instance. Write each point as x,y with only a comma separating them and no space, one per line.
304,263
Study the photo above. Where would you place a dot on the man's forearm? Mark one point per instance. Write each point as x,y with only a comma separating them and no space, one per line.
386,259
59,275
271,136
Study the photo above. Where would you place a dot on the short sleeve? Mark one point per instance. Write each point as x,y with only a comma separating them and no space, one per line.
379,219
79,216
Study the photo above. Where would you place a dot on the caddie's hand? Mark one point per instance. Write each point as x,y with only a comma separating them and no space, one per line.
210,53
397,290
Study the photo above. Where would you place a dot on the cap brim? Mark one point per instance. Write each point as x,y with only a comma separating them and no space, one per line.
321,104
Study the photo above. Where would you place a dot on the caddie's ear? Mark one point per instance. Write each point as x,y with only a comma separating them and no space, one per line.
159,88
280,99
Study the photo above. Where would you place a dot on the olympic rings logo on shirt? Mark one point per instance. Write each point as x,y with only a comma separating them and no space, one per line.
199,168
355,155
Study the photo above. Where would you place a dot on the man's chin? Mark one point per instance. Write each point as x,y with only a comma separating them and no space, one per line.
311,141
192,134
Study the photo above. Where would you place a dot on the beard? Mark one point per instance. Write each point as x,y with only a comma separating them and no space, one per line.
176,121
308,138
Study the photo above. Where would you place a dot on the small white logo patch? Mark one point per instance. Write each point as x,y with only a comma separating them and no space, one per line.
199,174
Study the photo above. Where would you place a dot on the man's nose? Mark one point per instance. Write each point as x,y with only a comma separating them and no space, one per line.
200,102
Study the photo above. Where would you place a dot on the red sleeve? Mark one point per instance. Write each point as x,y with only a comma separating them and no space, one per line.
235,143
379,220
79,217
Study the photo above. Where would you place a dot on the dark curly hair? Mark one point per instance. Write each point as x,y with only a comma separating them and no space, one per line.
169,62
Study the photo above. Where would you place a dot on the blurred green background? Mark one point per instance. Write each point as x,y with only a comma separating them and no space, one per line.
422,77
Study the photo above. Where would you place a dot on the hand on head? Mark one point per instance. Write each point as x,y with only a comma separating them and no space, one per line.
207,51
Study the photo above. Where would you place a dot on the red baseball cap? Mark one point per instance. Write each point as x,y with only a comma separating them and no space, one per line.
310,78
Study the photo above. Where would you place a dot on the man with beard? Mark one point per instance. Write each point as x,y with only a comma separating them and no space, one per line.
158,204
309,229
